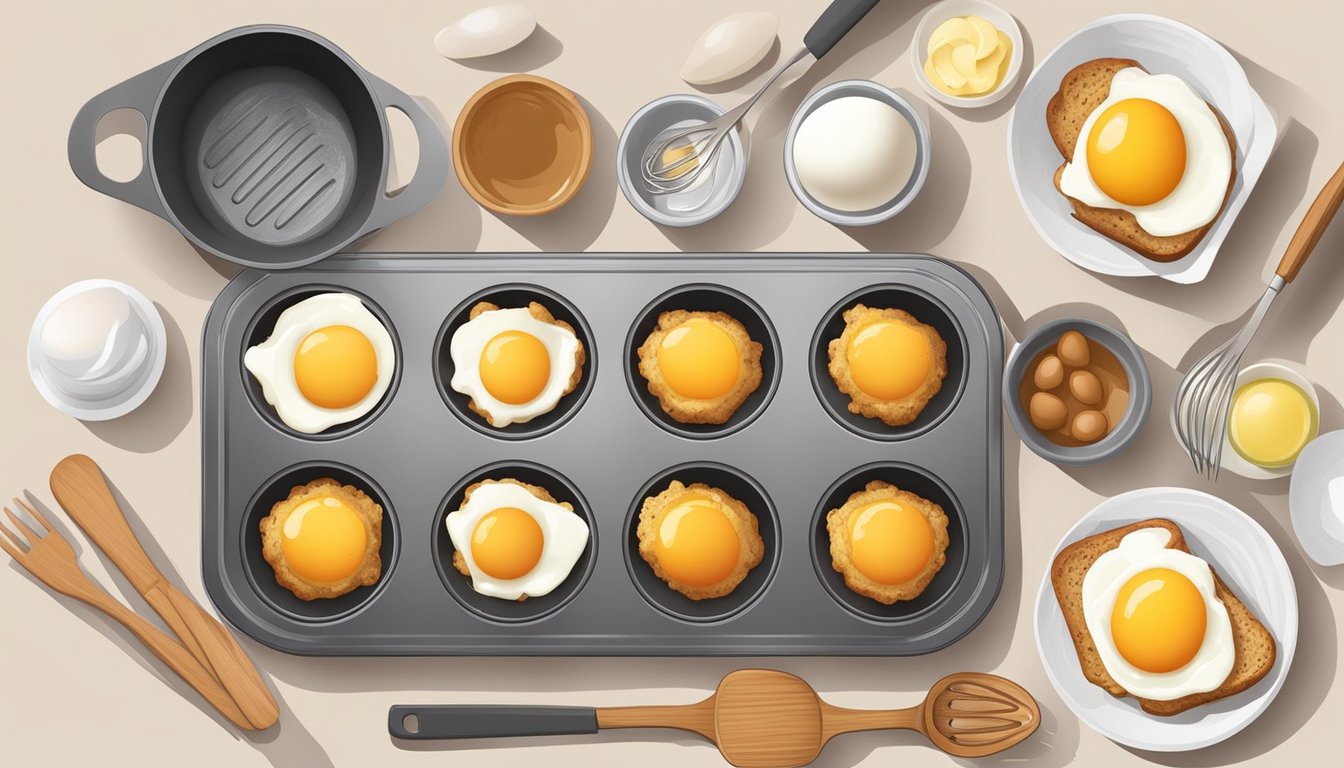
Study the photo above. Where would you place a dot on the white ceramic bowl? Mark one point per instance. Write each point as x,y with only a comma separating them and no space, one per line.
123,390
947,9
1319,527
1246,559
1161,46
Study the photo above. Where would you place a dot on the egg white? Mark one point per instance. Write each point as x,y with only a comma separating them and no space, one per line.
1139,551
564,536
272,361
465,349
1198,196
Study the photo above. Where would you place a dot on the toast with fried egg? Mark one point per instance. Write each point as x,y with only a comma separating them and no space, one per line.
1080,92
1254,645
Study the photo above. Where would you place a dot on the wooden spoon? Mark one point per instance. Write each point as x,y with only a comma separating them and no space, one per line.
761,718
79,486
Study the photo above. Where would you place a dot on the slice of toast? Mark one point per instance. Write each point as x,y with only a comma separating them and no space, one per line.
1255,648
1081,91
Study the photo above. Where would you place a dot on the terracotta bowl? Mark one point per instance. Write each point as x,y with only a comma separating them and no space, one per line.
522,146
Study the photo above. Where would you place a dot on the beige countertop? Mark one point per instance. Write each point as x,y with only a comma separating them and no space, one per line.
79,691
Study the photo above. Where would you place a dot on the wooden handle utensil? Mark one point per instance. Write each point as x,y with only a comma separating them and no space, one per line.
80,488
1313,225
761,718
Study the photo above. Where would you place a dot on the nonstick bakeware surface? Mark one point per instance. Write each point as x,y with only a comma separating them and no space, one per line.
791,453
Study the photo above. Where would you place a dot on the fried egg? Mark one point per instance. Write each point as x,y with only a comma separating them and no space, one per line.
1154,148
323,539
328,361
889,359
891,543
698,539
1158,626
888,543
513,542
513,365
888,362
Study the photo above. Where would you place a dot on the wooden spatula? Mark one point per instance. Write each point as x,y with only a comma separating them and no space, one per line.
79,486
761,718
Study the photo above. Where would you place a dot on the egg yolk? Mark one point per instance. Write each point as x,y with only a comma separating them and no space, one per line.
323,540
890,543
889,359
699,360
1136,152
335,366
515,367
507,543
1158,620
1271,421
697,544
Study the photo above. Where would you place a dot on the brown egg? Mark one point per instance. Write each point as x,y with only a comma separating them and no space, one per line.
1047,412
1049,373
1085,386
1088,426
1073,350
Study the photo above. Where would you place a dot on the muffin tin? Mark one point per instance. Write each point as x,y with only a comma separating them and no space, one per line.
790,455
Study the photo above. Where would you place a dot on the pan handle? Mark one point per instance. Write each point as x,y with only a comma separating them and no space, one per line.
466,721
431,171
138,93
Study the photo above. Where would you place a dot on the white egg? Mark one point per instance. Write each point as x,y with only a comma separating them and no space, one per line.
854,153
272,362
564,536
730,47
486,31
470,343
1198,196
1141,550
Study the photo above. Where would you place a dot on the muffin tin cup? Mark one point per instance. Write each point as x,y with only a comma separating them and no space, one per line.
515,296
262,325
906,477
513,611
420,451
924,308
261,576
704,297
741,487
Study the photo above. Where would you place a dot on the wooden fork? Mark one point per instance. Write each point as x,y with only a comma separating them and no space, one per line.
49,557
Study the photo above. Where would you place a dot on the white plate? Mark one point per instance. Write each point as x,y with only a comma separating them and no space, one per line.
1246,559
1161,46
1319,529
948,9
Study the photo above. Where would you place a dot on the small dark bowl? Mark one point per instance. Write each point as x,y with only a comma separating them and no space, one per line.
1140,392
